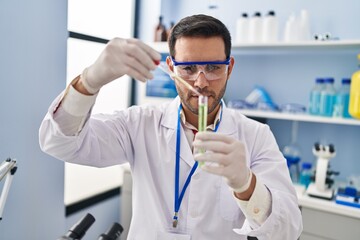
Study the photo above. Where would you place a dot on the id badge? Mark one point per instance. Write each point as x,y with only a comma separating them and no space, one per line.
172,236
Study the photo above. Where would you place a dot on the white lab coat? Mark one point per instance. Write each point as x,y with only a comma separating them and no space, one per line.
146,138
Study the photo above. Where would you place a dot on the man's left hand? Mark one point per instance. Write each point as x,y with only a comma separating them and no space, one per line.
224,156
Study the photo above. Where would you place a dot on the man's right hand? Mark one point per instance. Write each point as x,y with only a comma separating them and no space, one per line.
120,57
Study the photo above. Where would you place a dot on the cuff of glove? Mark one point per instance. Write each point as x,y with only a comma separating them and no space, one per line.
246,185
85,83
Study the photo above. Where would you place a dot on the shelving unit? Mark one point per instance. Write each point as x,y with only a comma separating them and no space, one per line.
299,117
298,46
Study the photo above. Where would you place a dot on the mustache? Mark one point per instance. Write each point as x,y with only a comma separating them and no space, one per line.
203,91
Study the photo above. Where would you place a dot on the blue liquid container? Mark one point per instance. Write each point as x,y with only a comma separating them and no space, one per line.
341,108
327,98
315,93
306,174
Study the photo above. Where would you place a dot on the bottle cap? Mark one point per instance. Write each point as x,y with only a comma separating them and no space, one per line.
257,14
329,80
346,81
319,80
306,165
271,13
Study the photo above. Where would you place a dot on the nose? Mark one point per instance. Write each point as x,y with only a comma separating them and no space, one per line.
201,81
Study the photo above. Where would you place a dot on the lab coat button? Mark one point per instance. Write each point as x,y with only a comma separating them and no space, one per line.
256,210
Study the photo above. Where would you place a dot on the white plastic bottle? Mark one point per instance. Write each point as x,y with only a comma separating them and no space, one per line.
255,28
270,28
291,31
304,26
242,29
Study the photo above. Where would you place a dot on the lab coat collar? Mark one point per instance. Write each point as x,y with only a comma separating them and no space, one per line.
227,126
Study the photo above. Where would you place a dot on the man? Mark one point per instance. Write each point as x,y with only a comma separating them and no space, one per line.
242,187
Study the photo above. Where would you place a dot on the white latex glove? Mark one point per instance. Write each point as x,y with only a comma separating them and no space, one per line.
224,156
120,57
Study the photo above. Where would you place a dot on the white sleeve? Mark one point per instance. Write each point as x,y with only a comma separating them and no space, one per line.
258,208
73,111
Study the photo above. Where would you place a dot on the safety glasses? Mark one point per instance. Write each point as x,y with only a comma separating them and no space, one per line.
190,71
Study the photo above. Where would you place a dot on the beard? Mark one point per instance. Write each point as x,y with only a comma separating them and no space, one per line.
187,98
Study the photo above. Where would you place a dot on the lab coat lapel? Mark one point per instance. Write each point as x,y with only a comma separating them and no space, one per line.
227,124
170,121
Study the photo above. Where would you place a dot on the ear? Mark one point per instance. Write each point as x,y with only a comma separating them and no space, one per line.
170,65
231,66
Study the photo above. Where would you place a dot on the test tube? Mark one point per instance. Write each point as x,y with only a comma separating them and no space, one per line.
202,117
203,110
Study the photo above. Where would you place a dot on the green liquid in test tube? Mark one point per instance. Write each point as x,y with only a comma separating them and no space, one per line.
202,116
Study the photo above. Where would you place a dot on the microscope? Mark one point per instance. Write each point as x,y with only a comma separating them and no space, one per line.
322,185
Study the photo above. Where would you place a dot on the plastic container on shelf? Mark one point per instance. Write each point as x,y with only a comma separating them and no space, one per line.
315,93
291,30
341,107
304,26
306,174
255,28
242,29
327,98
354,103
270,28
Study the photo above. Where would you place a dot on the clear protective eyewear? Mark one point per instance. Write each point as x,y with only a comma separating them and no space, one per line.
190,71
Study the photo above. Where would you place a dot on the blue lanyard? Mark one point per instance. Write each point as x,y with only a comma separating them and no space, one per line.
178,199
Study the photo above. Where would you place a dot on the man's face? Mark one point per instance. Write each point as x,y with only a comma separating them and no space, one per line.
199,49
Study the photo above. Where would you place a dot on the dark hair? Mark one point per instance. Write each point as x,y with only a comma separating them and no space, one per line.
199,26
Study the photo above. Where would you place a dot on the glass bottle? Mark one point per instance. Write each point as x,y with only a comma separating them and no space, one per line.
292,154
315,93
327,98
160,31
341,107
306,174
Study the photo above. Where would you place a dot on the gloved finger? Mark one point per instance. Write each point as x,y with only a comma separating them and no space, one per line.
204,136
214,169
138,76
151,51
218,158
143,53
135,66
214,146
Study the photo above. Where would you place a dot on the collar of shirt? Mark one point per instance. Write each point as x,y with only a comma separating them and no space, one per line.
188,128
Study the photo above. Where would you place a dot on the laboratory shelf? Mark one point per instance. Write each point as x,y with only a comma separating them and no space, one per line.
298,117
336,45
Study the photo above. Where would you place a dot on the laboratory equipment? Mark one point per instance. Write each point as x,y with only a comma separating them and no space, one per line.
113,233
261,98
202,117
315,93
255,28
341,107
164,68
327,98
322,187
8,169
270,28
348,196
242,29
79,229
306,174
160,34
292,154
354,104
